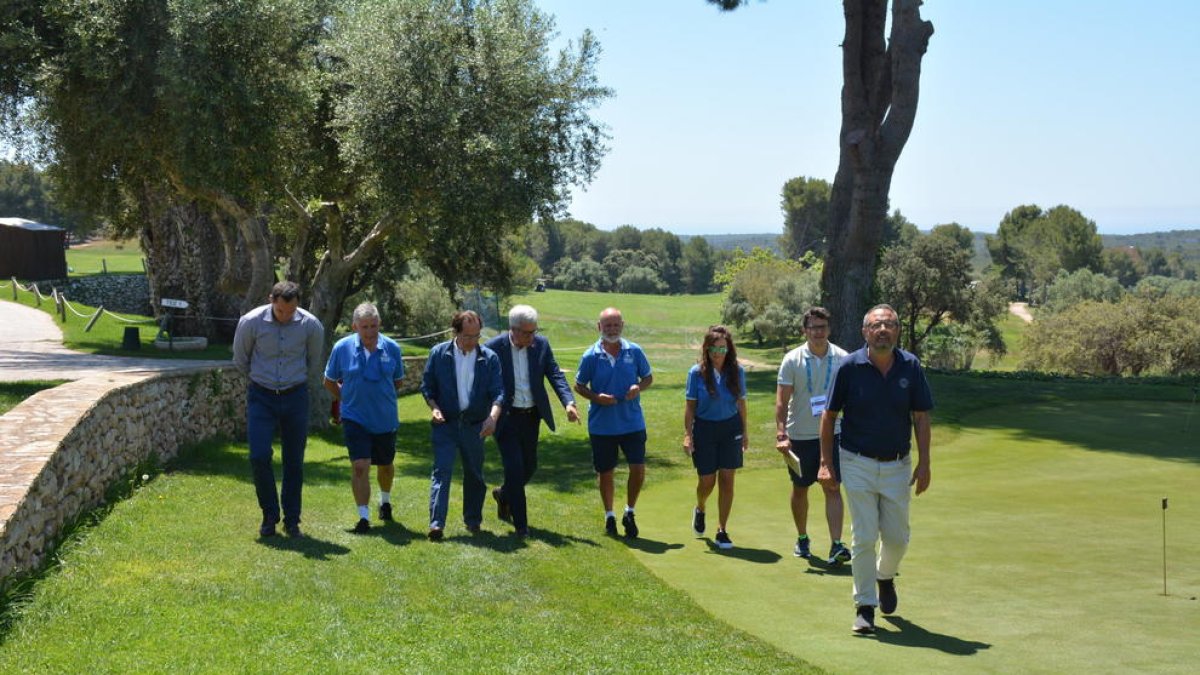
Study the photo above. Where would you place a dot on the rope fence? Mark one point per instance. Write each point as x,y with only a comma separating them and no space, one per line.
64,305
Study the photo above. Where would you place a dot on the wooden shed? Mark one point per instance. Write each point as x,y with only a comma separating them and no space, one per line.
32,251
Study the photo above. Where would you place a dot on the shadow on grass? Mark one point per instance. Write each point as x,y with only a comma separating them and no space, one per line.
821,567
231,458
392,532
650,545
308,546
909,634
754,555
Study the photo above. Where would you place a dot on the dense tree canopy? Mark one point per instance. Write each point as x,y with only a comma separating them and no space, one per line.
1031,246
805,206
27,192
929,283
338,136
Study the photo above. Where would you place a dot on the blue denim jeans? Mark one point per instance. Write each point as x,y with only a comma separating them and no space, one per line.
450,439
266,412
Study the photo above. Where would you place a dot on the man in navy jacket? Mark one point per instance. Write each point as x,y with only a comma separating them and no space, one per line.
463,388
526,361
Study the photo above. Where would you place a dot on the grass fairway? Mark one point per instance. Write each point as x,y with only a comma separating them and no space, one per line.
117,257
1037,549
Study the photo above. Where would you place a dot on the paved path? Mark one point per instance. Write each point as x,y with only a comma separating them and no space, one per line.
1021,309
31,349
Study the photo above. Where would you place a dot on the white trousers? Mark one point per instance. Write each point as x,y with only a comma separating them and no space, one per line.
878,494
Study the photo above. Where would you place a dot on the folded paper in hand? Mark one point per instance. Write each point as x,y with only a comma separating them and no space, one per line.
793,462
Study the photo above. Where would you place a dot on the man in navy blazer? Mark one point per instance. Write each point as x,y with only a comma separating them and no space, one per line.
463,388
527,361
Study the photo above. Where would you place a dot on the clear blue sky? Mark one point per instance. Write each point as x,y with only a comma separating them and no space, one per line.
1089,103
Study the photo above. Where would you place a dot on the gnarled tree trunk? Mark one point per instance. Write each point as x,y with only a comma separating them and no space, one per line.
194,256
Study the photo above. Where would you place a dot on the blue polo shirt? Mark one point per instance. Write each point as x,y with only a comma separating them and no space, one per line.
608,375
713,408
368,381
877,410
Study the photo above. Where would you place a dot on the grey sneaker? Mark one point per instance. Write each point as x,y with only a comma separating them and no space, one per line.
698,522
864,620
887,595
802,547
838,554
723,540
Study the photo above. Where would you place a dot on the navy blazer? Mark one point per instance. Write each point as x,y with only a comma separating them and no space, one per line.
439,383
542,367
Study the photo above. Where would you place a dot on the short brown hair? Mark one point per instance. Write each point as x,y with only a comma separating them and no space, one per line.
815,313
461,317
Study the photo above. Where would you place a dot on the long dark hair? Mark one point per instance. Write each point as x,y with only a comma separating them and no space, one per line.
729,371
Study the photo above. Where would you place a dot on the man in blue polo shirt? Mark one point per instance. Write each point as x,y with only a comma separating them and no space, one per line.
882,394
363,373
612,375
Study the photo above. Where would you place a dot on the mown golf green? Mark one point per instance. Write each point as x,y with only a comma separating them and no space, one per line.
1038,548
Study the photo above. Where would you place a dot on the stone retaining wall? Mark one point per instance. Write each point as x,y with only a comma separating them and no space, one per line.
62,449
122,293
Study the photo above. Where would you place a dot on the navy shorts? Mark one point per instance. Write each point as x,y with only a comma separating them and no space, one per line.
604,449
362,444
809,453
716,445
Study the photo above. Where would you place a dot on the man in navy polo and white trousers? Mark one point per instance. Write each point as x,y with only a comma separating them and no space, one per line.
526,362
882,394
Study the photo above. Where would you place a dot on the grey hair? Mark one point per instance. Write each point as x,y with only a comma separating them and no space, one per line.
364,311
867,316
520,315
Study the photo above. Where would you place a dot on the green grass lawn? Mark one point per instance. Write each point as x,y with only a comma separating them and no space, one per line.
117,257
1036,549
1013,329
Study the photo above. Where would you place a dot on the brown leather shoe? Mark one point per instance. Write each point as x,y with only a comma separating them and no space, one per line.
435,534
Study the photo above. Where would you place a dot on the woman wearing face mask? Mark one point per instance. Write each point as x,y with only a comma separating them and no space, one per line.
714,427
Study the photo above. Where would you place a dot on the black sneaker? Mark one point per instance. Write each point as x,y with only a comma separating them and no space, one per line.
267,529
503,512
698,522
385,511
887,595
864,621
723,540
610,526
838,554
435,534
363,526
802,547
293,531
630,525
